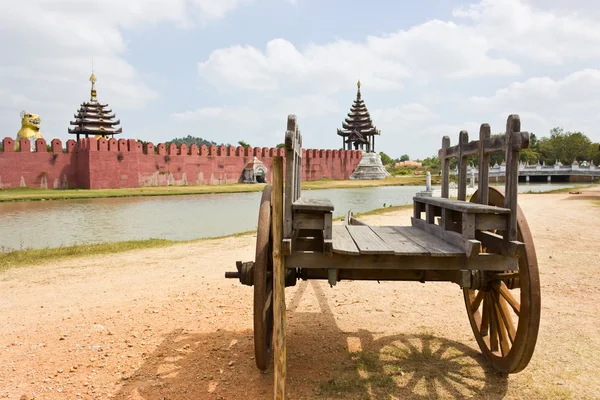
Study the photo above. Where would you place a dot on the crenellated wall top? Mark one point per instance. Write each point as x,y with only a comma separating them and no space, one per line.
147,148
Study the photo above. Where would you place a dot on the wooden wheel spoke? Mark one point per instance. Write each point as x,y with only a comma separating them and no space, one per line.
485,318
502,331
505,292
506,317
506,336
267,305
477,301
493,323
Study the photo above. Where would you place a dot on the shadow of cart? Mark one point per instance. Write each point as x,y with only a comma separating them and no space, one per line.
324,362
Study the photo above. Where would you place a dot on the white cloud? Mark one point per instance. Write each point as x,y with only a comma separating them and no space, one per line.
433,49
433,79
48,45
571,102
518,28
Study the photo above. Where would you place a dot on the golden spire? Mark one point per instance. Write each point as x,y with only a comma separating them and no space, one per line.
358,84
93,80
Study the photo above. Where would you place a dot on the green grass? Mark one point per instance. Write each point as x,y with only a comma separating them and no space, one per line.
562,190
36,194
21,258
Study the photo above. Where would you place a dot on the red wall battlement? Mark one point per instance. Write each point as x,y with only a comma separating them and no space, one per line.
99,164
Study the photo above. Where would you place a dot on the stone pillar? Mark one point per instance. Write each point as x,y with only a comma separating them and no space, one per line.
428,181
527,178
373,142
549,178
472,184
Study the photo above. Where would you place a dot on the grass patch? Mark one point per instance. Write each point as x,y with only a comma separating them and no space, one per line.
36,194
562,190
21,258
33,194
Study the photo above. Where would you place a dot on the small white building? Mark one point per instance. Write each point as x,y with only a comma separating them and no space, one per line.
255,172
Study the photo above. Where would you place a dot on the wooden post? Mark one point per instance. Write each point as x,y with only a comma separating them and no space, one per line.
445,167
290,156
278,280
484,165
463,139
513,125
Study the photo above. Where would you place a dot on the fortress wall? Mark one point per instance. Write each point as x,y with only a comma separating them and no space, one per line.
101,164
41,169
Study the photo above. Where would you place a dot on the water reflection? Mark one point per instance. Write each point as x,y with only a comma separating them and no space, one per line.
63,223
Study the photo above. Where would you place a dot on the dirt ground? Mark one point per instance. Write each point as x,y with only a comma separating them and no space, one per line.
165,324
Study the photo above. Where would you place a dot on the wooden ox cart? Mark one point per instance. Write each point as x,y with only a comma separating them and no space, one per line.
484,245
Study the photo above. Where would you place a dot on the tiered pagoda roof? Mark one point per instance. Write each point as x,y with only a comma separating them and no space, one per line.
94,118
359,119
358,127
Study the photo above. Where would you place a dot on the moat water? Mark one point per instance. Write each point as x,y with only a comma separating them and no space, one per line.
42,224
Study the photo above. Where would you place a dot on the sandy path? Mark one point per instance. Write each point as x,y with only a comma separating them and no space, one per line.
165,324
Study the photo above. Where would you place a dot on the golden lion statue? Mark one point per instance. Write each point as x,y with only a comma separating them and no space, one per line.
30,127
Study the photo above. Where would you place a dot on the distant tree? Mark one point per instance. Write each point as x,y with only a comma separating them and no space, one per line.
190,140
385,159
404,157
281,146
243,144
564,146
431,162
594,153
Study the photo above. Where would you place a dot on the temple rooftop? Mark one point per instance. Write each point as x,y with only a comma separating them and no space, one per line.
94,118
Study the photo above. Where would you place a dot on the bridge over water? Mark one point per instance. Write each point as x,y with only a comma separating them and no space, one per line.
584,172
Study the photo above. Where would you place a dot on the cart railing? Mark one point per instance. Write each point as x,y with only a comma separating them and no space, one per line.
511,143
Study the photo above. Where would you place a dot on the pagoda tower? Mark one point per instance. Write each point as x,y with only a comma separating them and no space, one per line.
358,128
94,118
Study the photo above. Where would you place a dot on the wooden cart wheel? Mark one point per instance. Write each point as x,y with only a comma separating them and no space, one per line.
263,284
505,312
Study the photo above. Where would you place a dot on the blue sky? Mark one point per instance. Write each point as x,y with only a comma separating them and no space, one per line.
232,70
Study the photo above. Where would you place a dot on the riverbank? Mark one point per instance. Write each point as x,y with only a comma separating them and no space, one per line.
165,323
25,257
35,194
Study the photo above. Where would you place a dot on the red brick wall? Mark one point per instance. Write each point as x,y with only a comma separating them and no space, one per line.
99,164
53,169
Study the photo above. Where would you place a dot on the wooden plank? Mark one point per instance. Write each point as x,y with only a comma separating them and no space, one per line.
471,247
484,165
495,243
462,206
342,241
463,139
308,221
318,260
305,203
278,280
399,242
491,221
468,225
434,245
367,241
